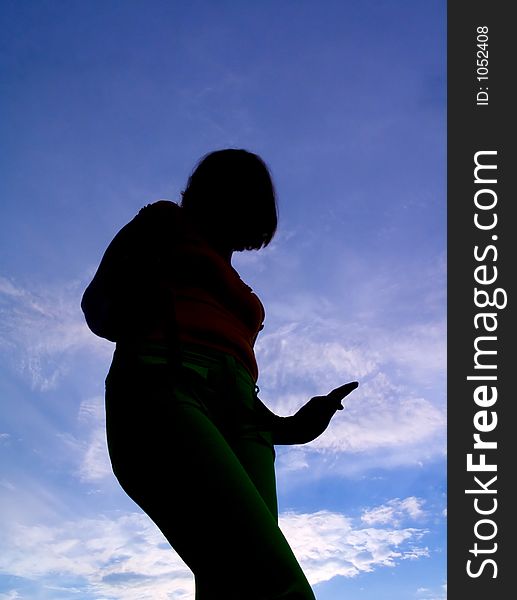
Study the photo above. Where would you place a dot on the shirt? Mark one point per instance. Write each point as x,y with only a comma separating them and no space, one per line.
163,274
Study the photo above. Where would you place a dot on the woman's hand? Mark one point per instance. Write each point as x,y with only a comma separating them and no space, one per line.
312,419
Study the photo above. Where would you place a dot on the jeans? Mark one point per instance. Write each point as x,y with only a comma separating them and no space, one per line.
188,446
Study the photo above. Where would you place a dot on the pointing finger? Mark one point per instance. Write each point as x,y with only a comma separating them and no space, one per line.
340,392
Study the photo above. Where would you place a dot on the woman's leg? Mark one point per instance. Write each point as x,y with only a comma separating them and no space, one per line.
173,461
257,455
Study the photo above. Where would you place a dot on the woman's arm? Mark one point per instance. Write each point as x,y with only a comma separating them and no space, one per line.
310,421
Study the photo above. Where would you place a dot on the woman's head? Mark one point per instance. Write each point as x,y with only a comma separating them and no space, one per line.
231,195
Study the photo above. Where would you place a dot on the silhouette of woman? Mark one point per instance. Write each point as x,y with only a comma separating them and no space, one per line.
189,440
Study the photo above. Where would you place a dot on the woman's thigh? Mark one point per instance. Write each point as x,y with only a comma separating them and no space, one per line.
256,455
202,493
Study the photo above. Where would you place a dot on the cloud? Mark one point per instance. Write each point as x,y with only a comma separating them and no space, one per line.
418,351
10,595
397,414
121,558
24,495
310,342
41,328
95,463
298,355
394,512
88,449
383,416
424,593
329,544
388,420
125,557
6,484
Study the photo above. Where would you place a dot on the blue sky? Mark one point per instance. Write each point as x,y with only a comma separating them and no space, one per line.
106,106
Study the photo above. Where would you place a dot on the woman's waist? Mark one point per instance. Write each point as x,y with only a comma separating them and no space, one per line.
211,363
213,340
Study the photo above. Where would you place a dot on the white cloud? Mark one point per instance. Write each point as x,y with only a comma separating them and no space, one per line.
394,414
122,558
394,423
295,459
394,512
424,593
6,484
42,327
418,350
10,595
297,355
24,496
95,463
125,557
7,288
88,450
328,544
382,416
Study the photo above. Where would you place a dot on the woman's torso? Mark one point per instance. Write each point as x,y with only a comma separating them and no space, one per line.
209,303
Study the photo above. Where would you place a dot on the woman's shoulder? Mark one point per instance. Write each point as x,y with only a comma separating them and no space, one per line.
166,221
160,209
161,216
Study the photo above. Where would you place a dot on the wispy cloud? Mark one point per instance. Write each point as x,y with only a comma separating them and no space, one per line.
95,464
394,512
384,416
41,328
307,353
388,417
87,449
11,595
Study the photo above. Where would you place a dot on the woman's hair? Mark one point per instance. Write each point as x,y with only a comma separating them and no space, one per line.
231,194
